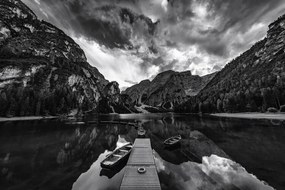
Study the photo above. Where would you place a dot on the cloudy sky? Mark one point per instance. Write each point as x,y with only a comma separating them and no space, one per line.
131,40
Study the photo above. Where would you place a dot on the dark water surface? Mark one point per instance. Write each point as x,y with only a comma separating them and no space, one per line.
56,155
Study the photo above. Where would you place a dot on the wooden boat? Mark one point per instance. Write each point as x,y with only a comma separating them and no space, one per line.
111,172
117,156
172,140
141,132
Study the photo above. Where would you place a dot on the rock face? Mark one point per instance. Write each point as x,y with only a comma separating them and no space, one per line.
112,101
135,92
42,70
167,89
254,81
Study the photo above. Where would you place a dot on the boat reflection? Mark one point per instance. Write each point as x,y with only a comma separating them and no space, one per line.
97,177
112,172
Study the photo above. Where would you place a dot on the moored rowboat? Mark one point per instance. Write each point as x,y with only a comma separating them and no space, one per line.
117,156
172,140
141,132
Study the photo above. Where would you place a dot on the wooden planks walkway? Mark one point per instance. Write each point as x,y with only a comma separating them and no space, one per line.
141,156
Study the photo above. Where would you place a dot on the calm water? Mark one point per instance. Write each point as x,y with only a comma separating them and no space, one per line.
57,155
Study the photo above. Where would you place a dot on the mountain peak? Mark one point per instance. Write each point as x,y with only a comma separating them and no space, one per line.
167,88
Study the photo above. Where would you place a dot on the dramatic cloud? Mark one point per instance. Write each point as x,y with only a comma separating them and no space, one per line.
120,65
131,40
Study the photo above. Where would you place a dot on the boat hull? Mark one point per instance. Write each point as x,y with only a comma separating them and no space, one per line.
116,157
172,141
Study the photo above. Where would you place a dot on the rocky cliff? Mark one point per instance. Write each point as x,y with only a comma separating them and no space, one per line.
42,70
112,101
167,89
254,81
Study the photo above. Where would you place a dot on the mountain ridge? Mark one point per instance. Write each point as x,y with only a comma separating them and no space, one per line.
42,70
253,81
167,88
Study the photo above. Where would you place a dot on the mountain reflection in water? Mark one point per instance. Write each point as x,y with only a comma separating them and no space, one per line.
54,155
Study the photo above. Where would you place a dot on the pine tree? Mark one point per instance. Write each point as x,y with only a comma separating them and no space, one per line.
38,108
11,111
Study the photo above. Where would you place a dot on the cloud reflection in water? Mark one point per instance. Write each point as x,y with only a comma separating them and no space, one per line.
214,173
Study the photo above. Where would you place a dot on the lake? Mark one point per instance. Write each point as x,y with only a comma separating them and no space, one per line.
215,153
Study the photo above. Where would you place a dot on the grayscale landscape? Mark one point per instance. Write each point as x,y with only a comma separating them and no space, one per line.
142,94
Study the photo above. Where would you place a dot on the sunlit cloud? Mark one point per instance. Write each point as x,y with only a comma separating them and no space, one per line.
116,64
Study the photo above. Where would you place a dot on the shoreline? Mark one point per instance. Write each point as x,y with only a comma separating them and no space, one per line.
243,115
26,118
251,115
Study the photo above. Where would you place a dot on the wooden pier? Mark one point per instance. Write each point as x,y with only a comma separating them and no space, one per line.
141,156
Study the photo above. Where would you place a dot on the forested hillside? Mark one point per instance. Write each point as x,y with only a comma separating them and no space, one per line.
42,70
254,81
167,89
